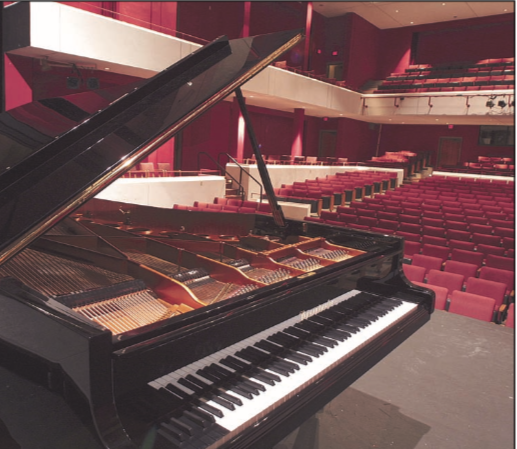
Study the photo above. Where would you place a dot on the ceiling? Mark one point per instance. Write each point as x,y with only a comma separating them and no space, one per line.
401,14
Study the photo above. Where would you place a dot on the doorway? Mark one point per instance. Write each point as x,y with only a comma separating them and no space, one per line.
335,70
327,144
449,151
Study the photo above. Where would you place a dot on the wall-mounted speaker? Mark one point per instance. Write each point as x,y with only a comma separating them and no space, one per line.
73,82
93,83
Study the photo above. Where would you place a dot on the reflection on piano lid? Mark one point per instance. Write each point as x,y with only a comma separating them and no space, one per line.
177,328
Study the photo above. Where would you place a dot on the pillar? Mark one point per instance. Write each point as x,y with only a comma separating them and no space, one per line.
297,145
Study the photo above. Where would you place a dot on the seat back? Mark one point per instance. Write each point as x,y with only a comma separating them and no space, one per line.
465,269
428,262
484,287
471,305
451,281
413,272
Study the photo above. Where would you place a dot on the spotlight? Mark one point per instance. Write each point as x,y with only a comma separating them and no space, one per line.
501,103
512,104
490,104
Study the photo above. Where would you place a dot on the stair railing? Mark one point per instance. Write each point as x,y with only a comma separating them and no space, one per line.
241,171
222,171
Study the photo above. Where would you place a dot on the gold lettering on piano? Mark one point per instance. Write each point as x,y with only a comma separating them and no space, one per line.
318,309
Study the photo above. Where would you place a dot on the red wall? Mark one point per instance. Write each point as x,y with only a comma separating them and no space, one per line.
361,51
459,40
479,40
427,137
209,20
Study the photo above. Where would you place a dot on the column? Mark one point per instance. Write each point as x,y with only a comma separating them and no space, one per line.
297,146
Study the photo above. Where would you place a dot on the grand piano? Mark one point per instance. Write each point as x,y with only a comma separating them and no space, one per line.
180,329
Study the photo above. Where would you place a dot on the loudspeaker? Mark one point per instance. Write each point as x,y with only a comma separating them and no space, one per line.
93,83
73,83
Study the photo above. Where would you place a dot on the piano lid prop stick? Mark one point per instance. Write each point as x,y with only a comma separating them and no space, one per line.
276,210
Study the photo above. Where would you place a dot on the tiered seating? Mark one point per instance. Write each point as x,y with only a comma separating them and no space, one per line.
311,74
336,190
163,169
488,74
485,165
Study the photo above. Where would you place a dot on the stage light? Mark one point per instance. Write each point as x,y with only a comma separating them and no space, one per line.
501,103
490,104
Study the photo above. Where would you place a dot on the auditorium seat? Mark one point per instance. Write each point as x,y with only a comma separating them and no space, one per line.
454,234
450,281
471,305
433,230
467,256
440,294
428,262
411,248
467,270
489,249
492,289
409,236
442,252
432,240
495,274
503,263
413,272
458,225
480,229
493,240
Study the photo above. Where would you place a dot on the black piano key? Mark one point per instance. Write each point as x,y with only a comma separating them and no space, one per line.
196,419
282,353
175,432
211,409
258,373
297,358
190,385
251,386
305,345
222,402
198,382
324,341
278,369
309,326
235,388
179,392
348,328
283,339
165,433
337,334
297,332
185,428
321,320
221,390
358,322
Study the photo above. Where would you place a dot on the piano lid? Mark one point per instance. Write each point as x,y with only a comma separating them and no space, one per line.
55,155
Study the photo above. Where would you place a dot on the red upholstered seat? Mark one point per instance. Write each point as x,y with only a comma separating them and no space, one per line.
440,294
451,281
503,263
428,262
471,305
414,273
496,274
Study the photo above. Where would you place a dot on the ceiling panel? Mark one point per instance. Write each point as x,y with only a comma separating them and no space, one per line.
384,14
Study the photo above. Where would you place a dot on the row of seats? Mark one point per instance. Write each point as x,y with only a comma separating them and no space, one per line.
451,78
458,289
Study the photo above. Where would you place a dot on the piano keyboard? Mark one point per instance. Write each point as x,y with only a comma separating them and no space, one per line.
233,389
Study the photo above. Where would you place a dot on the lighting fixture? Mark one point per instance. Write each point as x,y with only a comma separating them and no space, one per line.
501,103
490,104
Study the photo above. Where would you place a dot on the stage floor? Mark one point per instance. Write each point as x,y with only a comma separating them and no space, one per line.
449,386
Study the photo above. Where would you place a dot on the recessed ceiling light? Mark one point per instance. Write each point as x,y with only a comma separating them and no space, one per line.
437,119
443,4
411,23
396,10
106,68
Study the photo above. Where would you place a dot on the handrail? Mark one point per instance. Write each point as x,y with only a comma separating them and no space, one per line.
244,171
222,171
